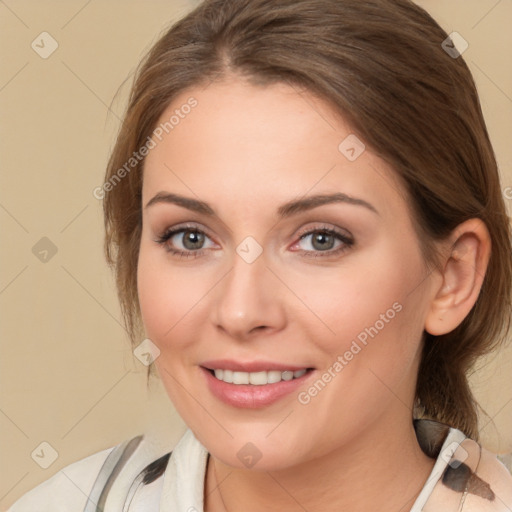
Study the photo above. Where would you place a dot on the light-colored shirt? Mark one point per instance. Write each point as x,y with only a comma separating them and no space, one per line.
135,476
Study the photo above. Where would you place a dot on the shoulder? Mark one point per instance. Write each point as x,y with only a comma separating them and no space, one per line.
466,477
105,480
474,480
67,489
490,485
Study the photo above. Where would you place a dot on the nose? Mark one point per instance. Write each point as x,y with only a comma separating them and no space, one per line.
248,300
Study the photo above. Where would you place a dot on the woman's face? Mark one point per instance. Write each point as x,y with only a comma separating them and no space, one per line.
257,279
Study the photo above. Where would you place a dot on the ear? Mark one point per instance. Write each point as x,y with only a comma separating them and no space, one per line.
462,270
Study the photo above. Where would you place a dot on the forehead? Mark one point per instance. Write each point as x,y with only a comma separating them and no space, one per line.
239,142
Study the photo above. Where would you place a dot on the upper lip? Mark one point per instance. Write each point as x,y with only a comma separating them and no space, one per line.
250,366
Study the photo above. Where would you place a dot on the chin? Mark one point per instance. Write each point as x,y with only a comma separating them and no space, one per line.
250,449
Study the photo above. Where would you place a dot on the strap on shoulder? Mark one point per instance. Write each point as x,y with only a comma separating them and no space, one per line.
108,473
147,476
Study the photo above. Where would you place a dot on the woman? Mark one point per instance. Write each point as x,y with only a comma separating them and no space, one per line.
304,215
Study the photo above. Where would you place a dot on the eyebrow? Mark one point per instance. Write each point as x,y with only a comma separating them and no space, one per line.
286,210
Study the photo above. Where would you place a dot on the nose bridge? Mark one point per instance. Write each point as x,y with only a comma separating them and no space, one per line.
247,299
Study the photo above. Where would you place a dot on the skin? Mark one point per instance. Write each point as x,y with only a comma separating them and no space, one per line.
246,150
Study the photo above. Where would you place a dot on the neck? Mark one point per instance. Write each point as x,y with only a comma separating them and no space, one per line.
383,468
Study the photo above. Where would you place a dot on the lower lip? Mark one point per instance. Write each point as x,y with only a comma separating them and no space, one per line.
250,396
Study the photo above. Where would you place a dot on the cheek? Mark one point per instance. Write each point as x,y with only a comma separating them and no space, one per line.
365,297
168,298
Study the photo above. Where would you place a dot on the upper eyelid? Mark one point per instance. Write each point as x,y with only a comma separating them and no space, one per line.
170,232
185,227
325,227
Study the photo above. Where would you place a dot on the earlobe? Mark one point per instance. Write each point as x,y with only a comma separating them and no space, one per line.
463,273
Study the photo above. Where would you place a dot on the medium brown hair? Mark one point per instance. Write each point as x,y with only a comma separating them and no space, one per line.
380,64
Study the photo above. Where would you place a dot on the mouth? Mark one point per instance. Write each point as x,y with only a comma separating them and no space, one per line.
254,389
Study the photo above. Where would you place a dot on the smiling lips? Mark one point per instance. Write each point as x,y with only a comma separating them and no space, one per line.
253,384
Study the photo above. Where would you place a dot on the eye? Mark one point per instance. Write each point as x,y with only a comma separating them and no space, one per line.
323,240
184,241
189,242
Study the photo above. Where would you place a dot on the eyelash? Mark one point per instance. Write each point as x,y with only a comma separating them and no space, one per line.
167,235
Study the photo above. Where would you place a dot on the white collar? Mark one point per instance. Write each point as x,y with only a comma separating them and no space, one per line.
183,486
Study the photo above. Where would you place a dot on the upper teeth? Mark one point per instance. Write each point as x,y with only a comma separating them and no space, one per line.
257,378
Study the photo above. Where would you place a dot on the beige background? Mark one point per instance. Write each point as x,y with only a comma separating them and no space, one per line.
68,375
